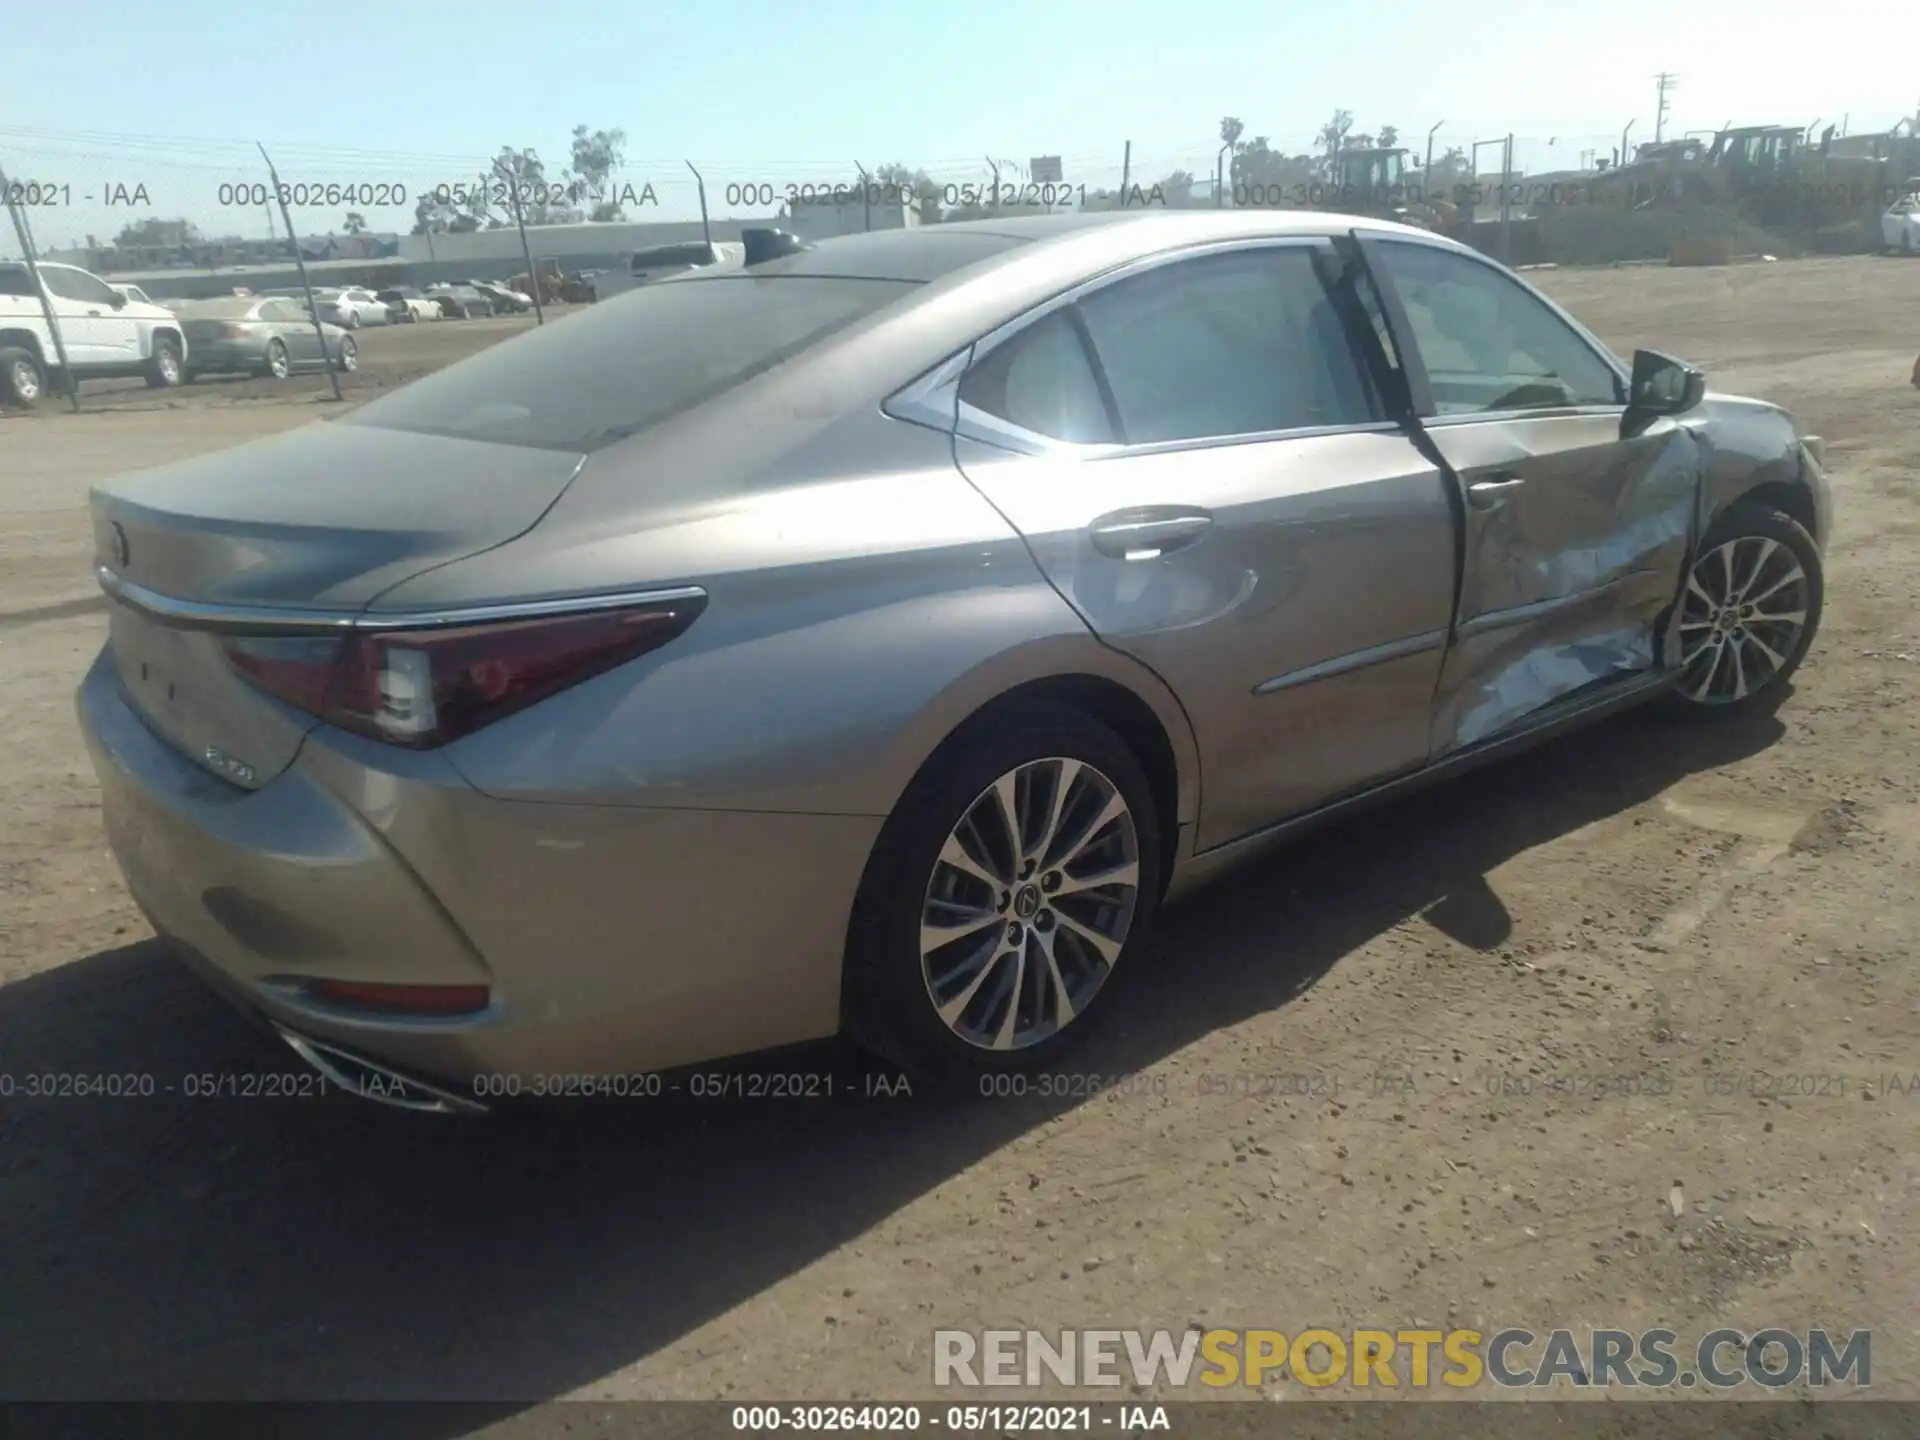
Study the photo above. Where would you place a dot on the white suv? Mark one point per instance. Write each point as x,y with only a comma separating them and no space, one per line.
104,332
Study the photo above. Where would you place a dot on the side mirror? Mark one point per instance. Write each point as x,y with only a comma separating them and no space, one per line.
1662,385
119,301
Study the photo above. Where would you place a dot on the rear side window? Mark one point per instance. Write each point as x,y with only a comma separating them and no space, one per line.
14,280
1224,345
1042,381
629,362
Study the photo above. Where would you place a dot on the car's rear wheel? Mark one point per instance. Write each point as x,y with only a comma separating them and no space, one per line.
22,381
278,365
1013,888
164,368
349,356
350,320
1749,612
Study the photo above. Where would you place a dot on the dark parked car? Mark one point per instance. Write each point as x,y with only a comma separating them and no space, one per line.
260,335
505,301
460,302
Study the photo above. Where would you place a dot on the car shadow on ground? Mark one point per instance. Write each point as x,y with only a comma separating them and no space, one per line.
235,1248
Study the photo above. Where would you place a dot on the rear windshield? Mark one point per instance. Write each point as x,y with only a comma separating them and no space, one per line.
629,362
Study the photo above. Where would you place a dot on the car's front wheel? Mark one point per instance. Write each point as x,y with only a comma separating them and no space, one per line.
1016,883
278,365
1748,615
164,369
348,356
22,381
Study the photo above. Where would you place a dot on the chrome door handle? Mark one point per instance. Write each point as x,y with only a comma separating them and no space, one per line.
1488,493
1147,533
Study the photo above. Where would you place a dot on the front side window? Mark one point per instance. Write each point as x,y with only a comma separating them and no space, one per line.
73,284
1224,345
1487,342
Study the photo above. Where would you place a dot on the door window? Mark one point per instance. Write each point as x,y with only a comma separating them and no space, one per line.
71,284
1487,342
1223,345
1042,382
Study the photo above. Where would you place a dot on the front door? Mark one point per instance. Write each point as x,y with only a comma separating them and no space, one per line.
1577,530
1198,461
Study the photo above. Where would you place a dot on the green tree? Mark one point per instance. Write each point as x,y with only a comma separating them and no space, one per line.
1331,140
596,155
1389,137
355,223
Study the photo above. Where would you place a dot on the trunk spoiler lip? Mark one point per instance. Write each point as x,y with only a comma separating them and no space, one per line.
204,615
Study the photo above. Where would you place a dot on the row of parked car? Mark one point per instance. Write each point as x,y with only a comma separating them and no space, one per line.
351,308
110,331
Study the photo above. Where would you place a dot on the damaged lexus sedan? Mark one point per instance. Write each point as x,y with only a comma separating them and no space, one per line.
872,638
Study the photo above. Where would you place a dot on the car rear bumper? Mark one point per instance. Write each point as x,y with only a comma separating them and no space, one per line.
614,940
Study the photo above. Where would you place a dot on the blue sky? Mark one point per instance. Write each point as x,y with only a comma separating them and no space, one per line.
106,93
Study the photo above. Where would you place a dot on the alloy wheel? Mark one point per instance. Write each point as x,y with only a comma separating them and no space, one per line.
1743,618
25,381
1029,904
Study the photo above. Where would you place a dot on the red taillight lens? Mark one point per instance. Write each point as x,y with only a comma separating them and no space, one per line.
410,999
422,688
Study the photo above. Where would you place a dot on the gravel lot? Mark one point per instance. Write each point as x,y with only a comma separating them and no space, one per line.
1690,911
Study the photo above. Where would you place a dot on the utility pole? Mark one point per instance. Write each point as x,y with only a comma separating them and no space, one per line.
1426,175
300,263
866,190
1666,85
1126,172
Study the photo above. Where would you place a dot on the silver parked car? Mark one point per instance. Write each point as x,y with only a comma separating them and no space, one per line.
873,637
260,335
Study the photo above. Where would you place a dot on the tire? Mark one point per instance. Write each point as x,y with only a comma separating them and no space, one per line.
278,366
1735,660
165,368
350,320
1004,1002
23,381
348,358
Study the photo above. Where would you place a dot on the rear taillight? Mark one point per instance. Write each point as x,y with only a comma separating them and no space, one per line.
421,688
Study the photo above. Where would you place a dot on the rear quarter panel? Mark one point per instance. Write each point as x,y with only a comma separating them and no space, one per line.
854,621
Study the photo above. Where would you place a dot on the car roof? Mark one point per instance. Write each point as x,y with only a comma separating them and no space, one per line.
227,306
926,253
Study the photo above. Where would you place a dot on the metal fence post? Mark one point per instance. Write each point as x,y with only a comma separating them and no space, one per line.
25,234
526,245
300,262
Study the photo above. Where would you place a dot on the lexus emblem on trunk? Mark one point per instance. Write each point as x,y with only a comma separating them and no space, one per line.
121,550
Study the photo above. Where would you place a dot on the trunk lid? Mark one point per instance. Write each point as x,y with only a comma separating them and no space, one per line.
323,518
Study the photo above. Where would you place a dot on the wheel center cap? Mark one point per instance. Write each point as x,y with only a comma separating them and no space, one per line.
1026,904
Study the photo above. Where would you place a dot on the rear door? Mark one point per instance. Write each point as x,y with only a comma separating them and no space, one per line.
1199,462
294,326
1577,529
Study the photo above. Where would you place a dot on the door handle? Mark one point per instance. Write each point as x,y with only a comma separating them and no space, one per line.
1147,533
93,312
1484,494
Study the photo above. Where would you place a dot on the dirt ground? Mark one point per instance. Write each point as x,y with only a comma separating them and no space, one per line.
1720,923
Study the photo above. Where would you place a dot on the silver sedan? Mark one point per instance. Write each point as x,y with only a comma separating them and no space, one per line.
261,335
872,638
